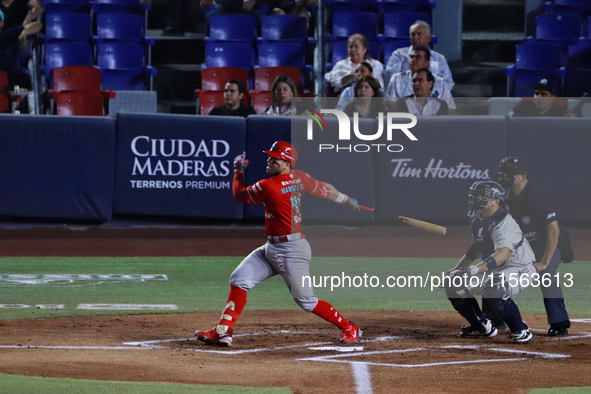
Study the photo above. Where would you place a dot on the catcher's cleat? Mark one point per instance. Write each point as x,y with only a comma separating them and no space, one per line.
211,337
351,334
470,332
522,336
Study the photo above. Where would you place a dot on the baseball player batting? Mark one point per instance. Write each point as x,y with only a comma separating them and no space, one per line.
286,251
508,258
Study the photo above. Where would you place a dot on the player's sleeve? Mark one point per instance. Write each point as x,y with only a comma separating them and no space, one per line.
313,186
254,194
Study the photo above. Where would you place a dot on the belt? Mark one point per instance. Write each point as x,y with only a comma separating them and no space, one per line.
285,238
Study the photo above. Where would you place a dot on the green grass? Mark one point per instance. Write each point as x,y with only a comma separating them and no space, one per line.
562,390
199,284
35,385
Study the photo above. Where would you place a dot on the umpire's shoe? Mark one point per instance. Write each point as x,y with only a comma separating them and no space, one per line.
470,332
211,337
351,334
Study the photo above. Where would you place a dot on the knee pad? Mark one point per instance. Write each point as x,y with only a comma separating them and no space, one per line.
307,304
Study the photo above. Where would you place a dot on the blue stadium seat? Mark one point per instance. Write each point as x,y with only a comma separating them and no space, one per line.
275,54
125,6
562,29
291,28
122,27
68,26
409,6
397,24
578,70
347,23
232,28
578,7
123,65
66,53
229,54
534,61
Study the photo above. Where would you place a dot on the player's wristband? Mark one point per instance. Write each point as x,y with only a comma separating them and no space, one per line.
490,262
340,198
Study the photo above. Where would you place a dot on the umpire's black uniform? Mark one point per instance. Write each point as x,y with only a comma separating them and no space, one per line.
532,211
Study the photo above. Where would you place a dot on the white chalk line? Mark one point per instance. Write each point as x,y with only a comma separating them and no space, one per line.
362,378
340,357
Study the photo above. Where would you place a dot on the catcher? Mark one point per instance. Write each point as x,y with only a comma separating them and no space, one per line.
509,258
286,251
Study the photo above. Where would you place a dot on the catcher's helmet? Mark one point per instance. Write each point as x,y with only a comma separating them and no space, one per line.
509,167
481,193
284,151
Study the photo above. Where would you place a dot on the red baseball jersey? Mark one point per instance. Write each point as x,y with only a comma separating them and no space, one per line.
281,197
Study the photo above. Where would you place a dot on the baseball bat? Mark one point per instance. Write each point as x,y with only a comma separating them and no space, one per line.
434,228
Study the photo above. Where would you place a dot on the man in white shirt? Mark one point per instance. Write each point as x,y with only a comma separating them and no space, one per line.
422,103
400,84
420,34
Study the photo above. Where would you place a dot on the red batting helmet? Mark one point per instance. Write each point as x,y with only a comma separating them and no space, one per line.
284,151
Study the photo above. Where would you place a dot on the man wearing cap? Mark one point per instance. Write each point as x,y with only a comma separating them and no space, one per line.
286,252
543,103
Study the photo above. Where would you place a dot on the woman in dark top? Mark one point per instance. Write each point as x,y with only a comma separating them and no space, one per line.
366,104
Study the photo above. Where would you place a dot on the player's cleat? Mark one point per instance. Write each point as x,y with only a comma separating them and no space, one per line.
557,332
351,334
470,332
211,337
521,337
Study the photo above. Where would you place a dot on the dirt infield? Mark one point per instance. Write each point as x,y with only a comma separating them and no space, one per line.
400,351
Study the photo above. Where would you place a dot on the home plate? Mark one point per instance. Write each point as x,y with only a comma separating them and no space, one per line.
338,348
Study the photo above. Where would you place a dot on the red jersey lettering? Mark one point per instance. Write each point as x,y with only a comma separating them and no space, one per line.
281,197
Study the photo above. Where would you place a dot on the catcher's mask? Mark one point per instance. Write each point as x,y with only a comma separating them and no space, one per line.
481,193
284,151
509,167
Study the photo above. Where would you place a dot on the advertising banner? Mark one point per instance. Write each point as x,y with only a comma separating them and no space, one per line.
57,167
171,165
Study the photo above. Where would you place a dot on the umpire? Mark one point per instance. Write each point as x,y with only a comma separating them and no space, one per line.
538,222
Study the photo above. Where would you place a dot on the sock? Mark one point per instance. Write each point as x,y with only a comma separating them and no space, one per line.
233,309
328,313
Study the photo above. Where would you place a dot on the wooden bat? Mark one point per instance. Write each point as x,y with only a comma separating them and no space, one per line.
414,222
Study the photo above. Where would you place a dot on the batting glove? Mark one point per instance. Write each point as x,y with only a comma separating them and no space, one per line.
240,163
351,204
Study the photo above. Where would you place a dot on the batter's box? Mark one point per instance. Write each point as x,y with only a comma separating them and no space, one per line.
453,355
252,339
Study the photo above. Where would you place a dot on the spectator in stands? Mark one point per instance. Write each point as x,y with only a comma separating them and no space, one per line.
343,71
366,102
401,84
295,7
20,12
363,69
11,41
233,96
283,90
422,102
420,34
543,103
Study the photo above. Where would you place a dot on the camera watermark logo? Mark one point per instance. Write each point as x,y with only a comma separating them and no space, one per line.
344,133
